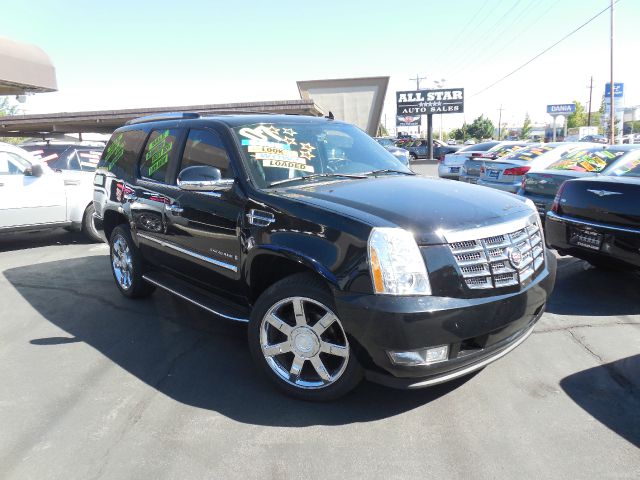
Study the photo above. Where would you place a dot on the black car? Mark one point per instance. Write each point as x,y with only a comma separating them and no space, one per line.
597,219
344,263
541,186
82,156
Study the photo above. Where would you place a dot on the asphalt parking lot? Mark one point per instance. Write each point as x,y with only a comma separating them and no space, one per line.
97,386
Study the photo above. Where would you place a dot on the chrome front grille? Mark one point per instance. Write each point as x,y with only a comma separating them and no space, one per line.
502,259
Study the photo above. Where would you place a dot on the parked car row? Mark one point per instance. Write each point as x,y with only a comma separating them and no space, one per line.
597,218
586,193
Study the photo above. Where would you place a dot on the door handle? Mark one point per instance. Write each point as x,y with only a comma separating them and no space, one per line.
175,209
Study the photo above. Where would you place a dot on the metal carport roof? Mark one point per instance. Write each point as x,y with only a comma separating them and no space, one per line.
106,121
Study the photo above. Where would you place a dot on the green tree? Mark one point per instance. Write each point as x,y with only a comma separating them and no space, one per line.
382,131
7,108
526,127
481,128
577,118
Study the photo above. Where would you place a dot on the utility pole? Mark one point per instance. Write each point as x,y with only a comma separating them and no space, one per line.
611,90
590,92
500,123
417,79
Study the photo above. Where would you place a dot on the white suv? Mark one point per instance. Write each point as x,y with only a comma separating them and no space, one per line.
34,197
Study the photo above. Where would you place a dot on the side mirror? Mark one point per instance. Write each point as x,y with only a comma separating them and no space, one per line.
34,170
203,179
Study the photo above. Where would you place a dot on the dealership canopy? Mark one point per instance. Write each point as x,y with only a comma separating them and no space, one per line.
354,100
25,68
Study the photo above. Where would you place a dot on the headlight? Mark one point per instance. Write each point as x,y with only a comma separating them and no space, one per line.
396,264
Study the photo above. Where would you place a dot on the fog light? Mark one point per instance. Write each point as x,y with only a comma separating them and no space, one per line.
420,357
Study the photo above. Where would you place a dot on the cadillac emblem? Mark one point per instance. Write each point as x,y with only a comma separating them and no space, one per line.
515,256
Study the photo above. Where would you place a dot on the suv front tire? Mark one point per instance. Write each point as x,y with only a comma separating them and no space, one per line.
299,342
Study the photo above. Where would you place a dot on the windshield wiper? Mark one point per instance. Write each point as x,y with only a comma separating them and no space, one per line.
318,175
388,170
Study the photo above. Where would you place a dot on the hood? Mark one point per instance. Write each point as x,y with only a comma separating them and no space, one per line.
425,206
396,149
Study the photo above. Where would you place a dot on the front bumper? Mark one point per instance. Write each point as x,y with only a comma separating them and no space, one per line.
620,246
505,187
478,331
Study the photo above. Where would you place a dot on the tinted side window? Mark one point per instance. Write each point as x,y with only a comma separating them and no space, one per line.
155,158
122,152
12,164
205,148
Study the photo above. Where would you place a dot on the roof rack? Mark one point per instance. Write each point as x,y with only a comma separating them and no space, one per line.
164,116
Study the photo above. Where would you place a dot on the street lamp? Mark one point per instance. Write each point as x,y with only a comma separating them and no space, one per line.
440,84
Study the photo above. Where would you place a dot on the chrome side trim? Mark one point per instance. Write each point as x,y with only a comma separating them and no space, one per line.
191,300
577,221
213,261
475,366
490,230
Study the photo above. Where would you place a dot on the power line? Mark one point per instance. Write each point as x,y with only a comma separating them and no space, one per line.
489,33
452,44
482,57
545,50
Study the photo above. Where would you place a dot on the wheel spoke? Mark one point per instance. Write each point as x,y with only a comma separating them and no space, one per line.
278,324
320,368
324,323
276,349
296,368
298,310
333,349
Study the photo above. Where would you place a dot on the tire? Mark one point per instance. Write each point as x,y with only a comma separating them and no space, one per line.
127,264
311,360
88,225
413,156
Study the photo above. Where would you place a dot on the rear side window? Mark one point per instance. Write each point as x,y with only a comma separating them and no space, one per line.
155,158
122,152
586,160
529,153
204,147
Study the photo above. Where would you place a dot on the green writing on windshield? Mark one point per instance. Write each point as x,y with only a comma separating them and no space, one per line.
114,152
158,153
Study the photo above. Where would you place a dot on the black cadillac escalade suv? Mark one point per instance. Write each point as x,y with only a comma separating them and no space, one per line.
344,263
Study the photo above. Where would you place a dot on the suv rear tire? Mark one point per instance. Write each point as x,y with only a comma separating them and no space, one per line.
127,264
299,343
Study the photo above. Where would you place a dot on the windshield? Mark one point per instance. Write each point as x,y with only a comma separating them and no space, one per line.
65,157
628,166
528,153
280,151
480,147
586,160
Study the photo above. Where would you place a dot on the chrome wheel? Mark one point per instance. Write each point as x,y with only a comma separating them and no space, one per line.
304,343
122,262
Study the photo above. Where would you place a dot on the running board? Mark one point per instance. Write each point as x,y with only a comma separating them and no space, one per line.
195,295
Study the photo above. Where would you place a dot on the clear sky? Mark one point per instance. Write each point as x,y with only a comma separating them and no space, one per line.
135,53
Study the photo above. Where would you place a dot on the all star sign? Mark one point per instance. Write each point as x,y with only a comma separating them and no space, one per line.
423,102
